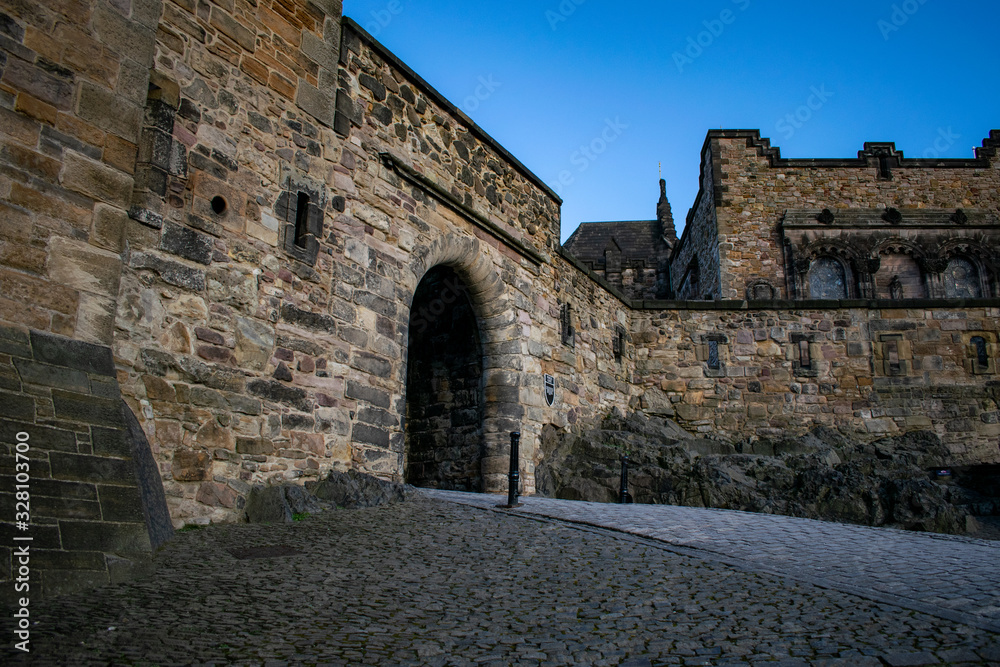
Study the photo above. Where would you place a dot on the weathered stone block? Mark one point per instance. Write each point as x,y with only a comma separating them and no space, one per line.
48,375
129,38
97,180
39,83
45,559
243,404
14,342
267,505
254,446
371,363
58,508
54,488
254,343
308,320
108,111
119,538
187,243
314,102
54,439
230,27
297,422
191,466
87,409
109,227
84,266
279,393
215,494
110,442
93,469
120,503
170,271
69,353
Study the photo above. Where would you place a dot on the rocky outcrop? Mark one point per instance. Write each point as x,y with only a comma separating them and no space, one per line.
820,475
279,503
350,490
354,490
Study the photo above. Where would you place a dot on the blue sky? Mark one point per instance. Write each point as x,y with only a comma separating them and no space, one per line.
593,95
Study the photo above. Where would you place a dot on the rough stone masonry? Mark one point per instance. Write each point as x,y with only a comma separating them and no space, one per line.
254,211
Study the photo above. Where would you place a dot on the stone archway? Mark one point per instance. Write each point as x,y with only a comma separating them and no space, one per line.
499,335
444,386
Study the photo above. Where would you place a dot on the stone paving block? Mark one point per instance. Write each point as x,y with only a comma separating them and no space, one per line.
906,659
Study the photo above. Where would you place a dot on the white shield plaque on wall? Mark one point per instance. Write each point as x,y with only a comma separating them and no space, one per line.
550,389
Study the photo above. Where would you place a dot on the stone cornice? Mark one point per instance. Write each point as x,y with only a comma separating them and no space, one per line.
873,220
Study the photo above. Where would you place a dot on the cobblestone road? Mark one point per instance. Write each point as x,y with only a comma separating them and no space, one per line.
955,577
431,582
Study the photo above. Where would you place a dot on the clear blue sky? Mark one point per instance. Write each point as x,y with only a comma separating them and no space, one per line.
653,77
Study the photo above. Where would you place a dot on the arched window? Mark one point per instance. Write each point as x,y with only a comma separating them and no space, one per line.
827,279
961,280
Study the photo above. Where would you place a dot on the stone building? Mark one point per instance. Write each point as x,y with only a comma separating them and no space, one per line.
241,243
633,256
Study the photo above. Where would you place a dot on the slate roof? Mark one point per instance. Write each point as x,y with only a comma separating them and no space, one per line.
638,240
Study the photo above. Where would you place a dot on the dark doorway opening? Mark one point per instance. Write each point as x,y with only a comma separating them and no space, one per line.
444,387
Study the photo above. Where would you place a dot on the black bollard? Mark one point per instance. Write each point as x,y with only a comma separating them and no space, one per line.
514,476
626,497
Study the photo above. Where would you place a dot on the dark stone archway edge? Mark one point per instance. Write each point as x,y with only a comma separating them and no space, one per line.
887,565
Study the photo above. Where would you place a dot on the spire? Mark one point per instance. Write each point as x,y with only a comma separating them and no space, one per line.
665,217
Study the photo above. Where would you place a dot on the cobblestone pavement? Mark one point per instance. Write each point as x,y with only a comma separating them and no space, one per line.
954,577
430,582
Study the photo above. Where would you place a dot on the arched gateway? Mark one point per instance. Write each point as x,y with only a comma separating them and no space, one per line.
444,386
462,383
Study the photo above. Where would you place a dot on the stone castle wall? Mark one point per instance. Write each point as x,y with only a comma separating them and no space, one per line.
233,204
754,187
73,86
73,83
697,253
865,368
252,359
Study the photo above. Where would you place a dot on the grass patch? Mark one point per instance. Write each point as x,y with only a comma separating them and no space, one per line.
300,516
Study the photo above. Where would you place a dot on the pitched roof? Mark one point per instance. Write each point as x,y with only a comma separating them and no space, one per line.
638,240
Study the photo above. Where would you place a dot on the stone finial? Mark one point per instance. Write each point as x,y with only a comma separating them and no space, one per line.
664,216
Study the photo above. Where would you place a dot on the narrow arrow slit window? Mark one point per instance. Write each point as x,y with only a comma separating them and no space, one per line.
302,220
